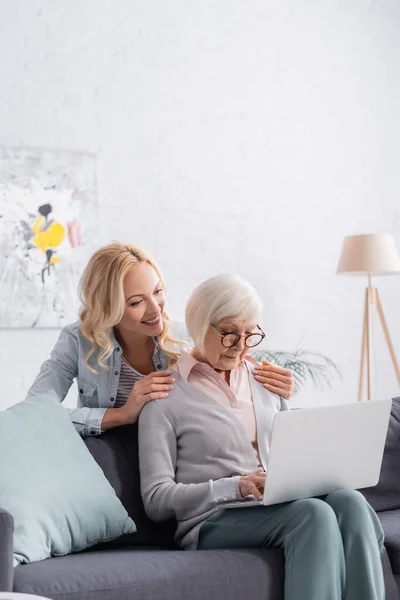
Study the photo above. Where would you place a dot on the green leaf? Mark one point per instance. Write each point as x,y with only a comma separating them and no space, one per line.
304,365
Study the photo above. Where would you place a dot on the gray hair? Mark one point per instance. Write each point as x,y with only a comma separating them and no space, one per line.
218,298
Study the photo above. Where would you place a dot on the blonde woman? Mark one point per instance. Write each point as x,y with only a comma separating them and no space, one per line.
207,446
120,349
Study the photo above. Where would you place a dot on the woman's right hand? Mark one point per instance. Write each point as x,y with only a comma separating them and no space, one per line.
154,386
253,484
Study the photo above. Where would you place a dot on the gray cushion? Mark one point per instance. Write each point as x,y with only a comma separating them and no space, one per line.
397,579
391,588
386,495
116,451
133,574
391,526
146,574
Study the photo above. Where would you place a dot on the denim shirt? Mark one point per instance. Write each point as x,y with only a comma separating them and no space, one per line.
96,392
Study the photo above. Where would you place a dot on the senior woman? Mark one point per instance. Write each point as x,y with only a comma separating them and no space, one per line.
207,444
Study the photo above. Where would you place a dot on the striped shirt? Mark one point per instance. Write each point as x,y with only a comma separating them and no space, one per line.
129,376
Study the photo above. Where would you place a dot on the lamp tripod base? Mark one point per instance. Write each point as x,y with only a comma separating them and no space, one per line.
371,299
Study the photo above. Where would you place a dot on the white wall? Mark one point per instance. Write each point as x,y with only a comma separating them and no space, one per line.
231,136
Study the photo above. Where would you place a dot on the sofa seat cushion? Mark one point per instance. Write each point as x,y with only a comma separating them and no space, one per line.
149,574
390,521
397,578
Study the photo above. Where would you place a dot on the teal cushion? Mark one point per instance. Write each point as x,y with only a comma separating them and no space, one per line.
58,495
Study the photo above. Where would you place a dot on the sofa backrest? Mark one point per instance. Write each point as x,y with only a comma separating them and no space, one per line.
386,495
116,451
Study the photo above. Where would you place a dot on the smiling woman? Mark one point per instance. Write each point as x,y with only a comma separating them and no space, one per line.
121,349
145,307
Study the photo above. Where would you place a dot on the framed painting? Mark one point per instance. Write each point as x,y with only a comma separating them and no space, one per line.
48,218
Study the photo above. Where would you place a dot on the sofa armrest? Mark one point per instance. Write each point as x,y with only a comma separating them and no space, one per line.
6,551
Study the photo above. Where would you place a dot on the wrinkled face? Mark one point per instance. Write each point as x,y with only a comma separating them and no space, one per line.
219,357
144,302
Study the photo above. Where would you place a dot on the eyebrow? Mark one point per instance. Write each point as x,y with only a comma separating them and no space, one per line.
235,327
141,295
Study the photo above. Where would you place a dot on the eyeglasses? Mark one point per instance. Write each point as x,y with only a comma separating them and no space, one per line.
230,339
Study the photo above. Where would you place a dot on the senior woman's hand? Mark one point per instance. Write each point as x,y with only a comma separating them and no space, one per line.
252,484
275,379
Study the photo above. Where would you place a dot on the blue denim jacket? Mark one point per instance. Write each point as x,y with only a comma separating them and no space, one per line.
96,393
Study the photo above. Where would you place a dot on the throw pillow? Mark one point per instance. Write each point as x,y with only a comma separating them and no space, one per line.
59,498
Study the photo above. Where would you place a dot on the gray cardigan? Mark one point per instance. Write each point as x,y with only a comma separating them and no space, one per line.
192,451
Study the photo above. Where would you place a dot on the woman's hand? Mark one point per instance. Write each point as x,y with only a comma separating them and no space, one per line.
275,379
252,484
152,387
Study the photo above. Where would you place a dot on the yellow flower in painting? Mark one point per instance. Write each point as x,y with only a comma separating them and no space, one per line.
50,238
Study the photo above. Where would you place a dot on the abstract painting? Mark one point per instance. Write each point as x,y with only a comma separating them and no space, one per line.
48,218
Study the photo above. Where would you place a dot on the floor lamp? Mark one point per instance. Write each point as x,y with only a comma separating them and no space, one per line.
370,255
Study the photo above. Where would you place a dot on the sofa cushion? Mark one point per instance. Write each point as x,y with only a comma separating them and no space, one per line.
397,579
156,575
116,451
56,493
149,574
386,495
391,587
390,521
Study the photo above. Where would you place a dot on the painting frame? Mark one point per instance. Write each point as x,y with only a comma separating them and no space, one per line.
48,223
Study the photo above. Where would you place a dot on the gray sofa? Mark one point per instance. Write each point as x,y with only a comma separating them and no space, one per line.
148,566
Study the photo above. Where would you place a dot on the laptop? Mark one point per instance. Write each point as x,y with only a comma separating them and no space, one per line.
315,451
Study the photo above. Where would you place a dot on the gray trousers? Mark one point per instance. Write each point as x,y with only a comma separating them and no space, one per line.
332,544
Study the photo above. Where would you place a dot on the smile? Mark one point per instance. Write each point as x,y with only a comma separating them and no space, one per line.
152,322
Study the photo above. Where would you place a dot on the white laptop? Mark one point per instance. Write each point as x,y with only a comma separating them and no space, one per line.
318,450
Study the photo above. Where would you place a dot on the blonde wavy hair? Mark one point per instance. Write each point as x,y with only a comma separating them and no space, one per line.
102,296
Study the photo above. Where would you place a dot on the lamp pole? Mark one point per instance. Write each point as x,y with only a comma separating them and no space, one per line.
372,299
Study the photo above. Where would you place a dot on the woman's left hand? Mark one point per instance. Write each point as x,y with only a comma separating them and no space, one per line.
275,379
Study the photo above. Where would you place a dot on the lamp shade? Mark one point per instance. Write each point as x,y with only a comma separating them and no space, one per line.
373,254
